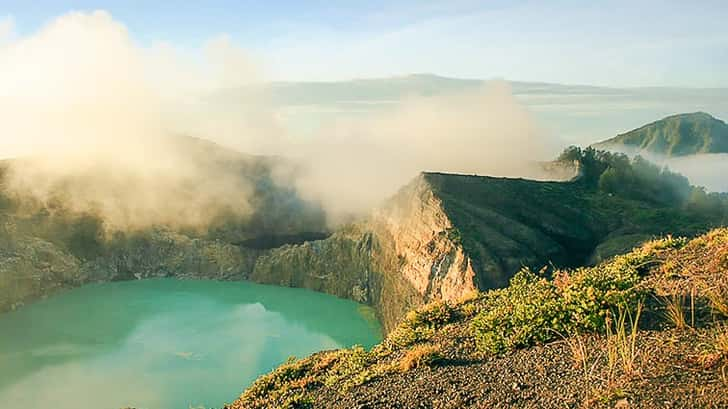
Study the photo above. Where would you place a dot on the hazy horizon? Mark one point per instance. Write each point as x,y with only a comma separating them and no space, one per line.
93,93
564,41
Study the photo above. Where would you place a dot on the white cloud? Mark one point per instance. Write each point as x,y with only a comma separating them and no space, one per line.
85,103
82,94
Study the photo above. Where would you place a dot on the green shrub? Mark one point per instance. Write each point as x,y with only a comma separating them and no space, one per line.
419,356
277,379
525,313
588,293
298,401
406,335
350,363
534,310
434,315
369,374
420,325
469,310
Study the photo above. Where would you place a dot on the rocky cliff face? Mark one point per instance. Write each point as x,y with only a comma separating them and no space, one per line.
32,268
404,255
421,236
429,242
439,238
443,236
340,265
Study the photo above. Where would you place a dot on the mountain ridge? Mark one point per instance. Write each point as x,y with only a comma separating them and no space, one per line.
441,236
445,235
675,135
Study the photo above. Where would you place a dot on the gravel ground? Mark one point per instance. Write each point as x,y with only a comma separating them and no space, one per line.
669,374
666,367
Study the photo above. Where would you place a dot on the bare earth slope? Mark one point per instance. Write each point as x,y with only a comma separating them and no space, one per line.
555,352
445,235
440,237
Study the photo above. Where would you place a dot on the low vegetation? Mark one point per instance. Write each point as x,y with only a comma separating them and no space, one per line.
675,311
622,339
602,314
534,309
420,356
638,179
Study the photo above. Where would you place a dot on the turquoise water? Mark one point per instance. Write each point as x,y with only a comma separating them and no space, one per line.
158,344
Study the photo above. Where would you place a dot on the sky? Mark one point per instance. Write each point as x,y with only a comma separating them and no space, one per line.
608,43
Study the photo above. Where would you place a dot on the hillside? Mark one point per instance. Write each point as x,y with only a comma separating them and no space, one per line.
440,237
47,244
445,235
646,329
677,135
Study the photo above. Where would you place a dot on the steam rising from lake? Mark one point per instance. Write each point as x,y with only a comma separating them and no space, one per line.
706,170
90,109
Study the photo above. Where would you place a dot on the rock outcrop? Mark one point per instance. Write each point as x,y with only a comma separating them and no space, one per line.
406,253
441,237
32,268
444,236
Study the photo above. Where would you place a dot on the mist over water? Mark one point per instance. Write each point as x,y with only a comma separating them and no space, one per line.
164,343
107,106
105,111
708,170
79,97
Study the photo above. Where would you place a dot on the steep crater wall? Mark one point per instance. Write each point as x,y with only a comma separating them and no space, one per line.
441,237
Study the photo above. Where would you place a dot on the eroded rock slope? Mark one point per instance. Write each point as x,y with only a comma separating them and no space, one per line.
441,237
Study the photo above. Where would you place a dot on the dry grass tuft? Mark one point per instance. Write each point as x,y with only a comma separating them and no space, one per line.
675,311
419,356
721,342
718,297
622,340
579,353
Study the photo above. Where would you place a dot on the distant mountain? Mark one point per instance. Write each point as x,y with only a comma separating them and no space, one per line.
677,135
388,89
574,112
395,88
381,90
